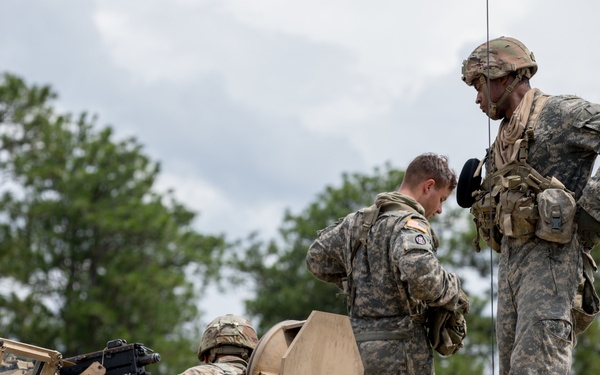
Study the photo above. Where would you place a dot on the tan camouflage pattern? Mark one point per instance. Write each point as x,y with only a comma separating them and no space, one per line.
398,257
506,55
537,279
228,330
227,365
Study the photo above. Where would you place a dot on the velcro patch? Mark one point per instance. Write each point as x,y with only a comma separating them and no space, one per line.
415,224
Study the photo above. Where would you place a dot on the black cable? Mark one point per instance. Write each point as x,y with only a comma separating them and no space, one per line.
489,99
491,234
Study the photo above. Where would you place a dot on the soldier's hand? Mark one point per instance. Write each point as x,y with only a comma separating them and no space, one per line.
588,229
463,302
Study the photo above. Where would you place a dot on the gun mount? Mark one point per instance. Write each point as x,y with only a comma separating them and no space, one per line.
118,358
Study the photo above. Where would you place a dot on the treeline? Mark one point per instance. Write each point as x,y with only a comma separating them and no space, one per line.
90,251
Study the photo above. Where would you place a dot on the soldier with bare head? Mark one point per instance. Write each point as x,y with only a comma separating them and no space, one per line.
538,205
384,259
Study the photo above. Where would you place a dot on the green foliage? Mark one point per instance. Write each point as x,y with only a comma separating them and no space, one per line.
586,360
88,251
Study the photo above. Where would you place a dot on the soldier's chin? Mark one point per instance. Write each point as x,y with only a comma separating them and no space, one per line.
493,115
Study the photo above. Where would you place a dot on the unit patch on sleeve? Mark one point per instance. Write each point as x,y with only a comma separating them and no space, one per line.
415,224
420,239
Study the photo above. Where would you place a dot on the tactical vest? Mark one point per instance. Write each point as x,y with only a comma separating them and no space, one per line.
446,330
517,201
370,215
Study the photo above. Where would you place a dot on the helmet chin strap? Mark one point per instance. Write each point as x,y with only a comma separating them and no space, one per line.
494,105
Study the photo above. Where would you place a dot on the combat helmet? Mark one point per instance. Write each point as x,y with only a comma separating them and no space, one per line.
227,334
495,59
506,55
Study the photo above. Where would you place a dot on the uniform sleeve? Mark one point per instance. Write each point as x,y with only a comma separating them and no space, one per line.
420,269
590,199
325,256
588,120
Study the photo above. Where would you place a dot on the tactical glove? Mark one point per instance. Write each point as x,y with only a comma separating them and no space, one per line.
588,229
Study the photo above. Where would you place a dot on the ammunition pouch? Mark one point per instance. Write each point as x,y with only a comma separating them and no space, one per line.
516,212
484,213
557,210
522,203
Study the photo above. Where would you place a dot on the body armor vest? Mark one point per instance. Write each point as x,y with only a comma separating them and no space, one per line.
517,201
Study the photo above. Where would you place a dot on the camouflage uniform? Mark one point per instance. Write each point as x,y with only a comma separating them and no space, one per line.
399,259
229,365
537,279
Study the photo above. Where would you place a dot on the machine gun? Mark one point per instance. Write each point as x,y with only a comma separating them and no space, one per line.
118,358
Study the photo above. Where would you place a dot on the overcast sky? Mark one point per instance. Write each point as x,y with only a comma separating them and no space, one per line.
254,106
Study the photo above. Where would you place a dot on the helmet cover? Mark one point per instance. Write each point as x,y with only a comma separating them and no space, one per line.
228,330
506,55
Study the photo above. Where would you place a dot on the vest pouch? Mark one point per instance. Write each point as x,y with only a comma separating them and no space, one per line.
517,212
557,210
483,211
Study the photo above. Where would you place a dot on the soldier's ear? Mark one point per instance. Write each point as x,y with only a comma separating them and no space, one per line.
428,185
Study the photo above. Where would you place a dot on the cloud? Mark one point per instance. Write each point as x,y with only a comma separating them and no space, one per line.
252,107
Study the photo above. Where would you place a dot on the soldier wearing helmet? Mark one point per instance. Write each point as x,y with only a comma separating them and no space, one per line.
226,347
543,222
503,58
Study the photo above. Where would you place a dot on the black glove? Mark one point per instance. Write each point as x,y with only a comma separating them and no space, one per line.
588,229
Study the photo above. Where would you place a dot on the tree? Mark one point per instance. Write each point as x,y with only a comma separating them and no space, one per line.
586,360
285,290
88,251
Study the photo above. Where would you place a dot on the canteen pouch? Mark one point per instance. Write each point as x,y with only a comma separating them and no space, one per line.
517,210
557,209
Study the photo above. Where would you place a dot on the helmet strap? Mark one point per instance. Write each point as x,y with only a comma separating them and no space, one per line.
494,105
484,86
229,349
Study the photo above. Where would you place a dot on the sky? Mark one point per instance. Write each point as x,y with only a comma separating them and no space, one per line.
254,107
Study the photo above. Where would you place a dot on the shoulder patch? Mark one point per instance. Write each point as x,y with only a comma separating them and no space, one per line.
420,240
418,225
